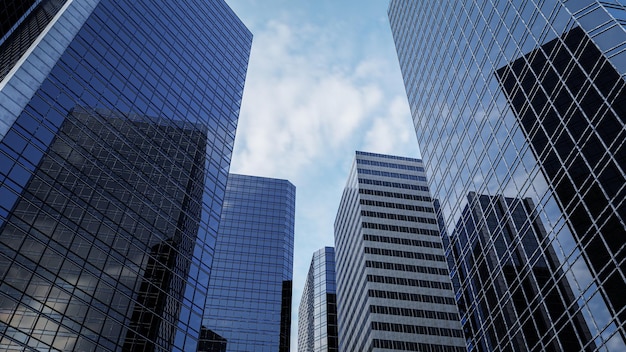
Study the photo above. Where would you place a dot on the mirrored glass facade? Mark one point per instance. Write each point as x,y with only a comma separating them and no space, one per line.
393,286
317,314
583,164
504,280
524,100
117,123
249,296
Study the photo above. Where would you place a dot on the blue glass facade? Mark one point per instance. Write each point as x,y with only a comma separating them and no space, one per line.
117,121
317,314
249,296
524,100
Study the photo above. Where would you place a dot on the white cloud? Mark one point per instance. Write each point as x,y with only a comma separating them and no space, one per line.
388,133
300,104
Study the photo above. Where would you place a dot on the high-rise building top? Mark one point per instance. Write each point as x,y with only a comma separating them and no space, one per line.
317,315
117,122
524,99
249,297
393,287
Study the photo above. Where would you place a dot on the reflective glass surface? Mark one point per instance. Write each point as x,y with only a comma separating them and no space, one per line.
529,269
523,100
112,175
317,314
249,294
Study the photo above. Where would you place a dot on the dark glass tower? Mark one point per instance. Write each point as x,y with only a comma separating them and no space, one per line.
249,297
575,129
117,121
317,315
524,99
393,286
515,281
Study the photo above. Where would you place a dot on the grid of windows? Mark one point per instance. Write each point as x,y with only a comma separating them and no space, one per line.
397,205
249,294
22,22
317,316
525,100
12,14
415,329
364,171
418,313
396,228
409,281
589,185
414,297
403,241
415,346
402,281
526,263
392,194
112,176
389,184
404,254
398,217
389,165
406,267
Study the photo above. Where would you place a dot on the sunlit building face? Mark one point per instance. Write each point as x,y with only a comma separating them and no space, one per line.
393,285
524,100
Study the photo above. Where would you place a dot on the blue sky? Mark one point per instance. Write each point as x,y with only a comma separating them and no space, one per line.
323,81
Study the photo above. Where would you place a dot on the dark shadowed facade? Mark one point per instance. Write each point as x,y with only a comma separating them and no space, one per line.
81,219
571,104
501,283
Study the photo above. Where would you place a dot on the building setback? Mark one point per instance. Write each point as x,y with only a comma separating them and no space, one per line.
249,297
317,315
117,120
525,100
393,287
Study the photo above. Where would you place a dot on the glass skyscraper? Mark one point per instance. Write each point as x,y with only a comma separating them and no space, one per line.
525,100
393,286
317,314
249,297
527,264
117,122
